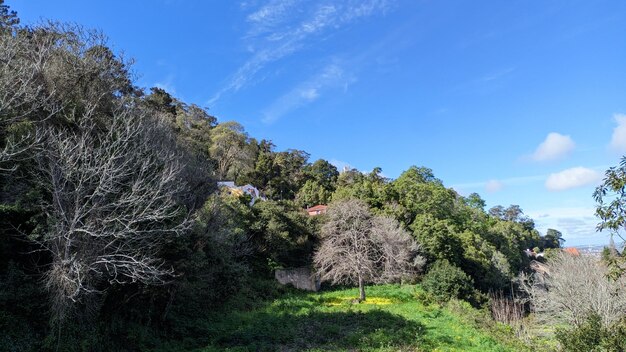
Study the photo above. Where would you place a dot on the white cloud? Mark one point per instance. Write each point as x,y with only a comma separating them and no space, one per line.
331,76
310,94
553,147
572,178
618,140
272,13
283,27
493,186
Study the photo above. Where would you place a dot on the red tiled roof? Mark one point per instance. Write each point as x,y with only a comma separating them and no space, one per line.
572,251
319,207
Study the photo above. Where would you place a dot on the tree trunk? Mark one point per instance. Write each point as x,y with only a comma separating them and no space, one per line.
361,289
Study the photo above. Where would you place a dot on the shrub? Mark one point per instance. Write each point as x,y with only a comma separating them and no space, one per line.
615,339
593,335
446,281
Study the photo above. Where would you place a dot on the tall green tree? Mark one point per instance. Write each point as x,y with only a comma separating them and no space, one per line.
231,151
324,173
419,192
553,239
282,234
438,237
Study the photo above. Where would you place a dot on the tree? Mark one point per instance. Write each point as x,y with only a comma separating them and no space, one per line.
513,214
112,204
324,173
419,192
8,18
438,237
320,184
282,233
161,101
23,92
289,176
103,172
475,201
229,148
312,193
371,187
553,239
357,248
572,287
610,197
497,211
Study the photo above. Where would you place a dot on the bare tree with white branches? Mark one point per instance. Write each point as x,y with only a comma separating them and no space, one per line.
50,71
22,92
573,287
111,208
357,248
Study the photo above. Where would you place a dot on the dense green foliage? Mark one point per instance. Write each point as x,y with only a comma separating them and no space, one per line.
445,281
592,335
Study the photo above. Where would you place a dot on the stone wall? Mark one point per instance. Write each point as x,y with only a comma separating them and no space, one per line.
300,278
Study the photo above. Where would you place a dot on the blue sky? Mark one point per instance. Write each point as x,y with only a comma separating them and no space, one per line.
520,101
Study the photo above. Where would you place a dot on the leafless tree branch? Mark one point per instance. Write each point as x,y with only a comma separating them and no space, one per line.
112,207
357,248
572,287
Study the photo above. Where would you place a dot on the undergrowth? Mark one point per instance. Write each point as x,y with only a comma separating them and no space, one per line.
393,318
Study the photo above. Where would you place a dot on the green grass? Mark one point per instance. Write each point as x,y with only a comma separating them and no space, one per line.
392,319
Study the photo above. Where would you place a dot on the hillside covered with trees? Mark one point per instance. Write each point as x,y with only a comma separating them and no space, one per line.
114,234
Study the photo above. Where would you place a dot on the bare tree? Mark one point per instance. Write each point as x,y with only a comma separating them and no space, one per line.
112,184
572,287
357,248
400,252
50,69
22,92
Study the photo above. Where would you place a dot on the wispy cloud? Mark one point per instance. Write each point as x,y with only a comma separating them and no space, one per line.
280,28
498,74
486,83
493,186
167,84
578,224
270,15
332,76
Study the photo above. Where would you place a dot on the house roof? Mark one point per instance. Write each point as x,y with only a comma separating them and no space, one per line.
572,251
318,207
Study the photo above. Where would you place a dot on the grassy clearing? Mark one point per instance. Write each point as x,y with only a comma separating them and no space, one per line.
392,319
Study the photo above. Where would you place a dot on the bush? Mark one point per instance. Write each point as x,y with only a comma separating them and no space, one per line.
592,335
446,281
586,337
615,338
